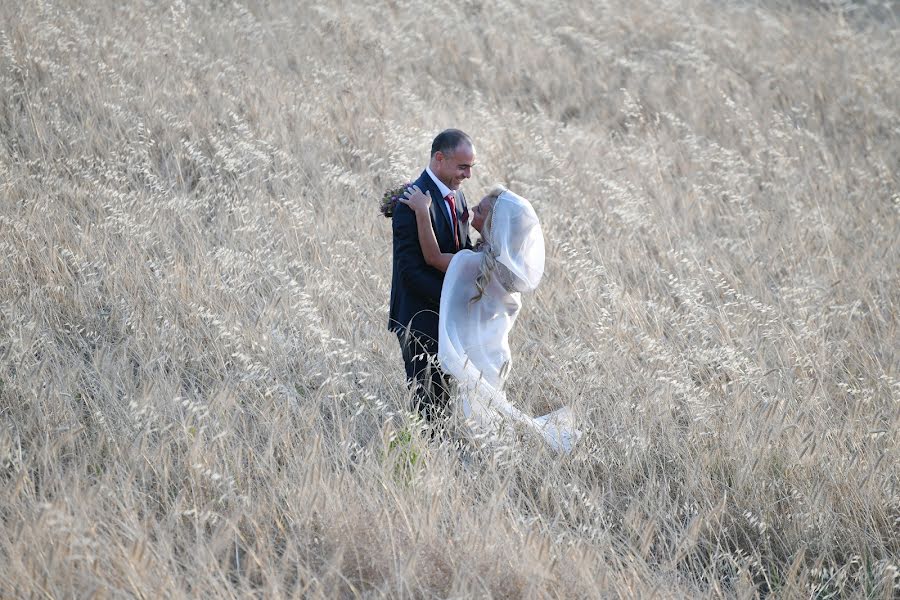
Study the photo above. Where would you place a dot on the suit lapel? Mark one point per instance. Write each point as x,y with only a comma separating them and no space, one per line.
439,214
443,228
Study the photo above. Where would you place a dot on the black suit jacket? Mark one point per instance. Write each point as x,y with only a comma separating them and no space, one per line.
415,286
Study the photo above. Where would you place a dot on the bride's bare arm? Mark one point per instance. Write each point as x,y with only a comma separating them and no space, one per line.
420,203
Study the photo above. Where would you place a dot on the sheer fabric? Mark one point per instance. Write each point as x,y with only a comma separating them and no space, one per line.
473,337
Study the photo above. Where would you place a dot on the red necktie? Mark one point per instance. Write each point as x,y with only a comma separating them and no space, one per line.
452,202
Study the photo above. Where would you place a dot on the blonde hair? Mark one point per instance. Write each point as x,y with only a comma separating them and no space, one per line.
488,256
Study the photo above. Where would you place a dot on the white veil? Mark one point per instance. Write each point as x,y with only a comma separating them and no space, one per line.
473,337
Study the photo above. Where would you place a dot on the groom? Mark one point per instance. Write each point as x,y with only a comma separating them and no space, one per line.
416,287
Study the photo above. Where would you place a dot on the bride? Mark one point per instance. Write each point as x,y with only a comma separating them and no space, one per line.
480,300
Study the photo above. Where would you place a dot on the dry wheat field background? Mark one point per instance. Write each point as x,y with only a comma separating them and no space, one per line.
198,393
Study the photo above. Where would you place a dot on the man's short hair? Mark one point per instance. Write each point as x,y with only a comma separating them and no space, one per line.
448,141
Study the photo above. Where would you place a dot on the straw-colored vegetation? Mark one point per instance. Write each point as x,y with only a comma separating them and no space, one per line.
199,396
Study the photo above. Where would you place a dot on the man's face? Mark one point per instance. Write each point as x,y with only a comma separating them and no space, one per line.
455,167
479,213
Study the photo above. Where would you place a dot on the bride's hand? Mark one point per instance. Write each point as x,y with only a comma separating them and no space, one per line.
416,200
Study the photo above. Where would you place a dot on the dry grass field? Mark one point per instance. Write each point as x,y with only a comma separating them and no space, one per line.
198,394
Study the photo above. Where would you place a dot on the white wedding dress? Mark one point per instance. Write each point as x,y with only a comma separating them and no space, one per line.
473,337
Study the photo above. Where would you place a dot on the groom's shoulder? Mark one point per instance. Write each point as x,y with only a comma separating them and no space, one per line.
423,179
403,216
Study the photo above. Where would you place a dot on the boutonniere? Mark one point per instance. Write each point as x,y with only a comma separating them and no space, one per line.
465,215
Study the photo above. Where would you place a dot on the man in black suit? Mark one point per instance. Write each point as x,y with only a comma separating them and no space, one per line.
416,286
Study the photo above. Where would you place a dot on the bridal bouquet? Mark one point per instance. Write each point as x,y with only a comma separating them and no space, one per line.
390,198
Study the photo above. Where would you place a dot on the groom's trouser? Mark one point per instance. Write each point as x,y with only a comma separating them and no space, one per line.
431,386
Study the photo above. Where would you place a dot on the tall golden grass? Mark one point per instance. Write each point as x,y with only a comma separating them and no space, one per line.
199,396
